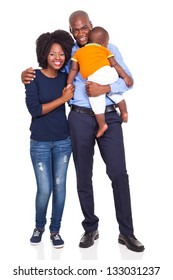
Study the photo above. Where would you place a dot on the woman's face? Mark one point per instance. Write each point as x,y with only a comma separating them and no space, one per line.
56,57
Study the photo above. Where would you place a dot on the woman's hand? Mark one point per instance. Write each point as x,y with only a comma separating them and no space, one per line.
68,92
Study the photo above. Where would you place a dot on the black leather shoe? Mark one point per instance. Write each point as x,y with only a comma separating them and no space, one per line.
88,239
131,243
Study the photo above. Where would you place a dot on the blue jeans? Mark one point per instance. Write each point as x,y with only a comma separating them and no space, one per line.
50,161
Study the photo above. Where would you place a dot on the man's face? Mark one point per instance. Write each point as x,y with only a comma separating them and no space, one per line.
80,27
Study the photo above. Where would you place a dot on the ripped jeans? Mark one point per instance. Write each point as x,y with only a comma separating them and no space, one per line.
50,161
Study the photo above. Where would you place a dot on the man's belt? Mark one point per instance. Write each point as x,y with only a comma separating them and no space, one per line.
84,110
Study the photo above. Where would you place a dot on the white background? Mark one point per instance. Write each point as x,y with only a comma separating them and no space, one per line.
142,30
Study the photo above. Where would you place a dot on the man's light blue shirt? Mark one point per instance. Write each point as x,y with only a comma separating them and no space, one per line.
80,97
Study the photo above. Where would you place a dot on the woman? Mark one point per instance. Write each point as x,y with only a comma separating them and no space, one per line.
50,144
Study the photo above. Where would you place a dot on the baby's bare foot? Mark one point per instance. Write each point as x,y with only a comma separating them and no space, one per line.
124,117
102,130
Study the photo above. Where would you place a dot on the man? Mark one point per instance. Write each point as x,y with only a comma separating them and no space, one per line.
83,128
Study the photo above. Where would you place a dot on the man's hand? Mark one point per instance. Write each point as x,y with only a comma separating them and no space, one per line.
28,75
94,89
